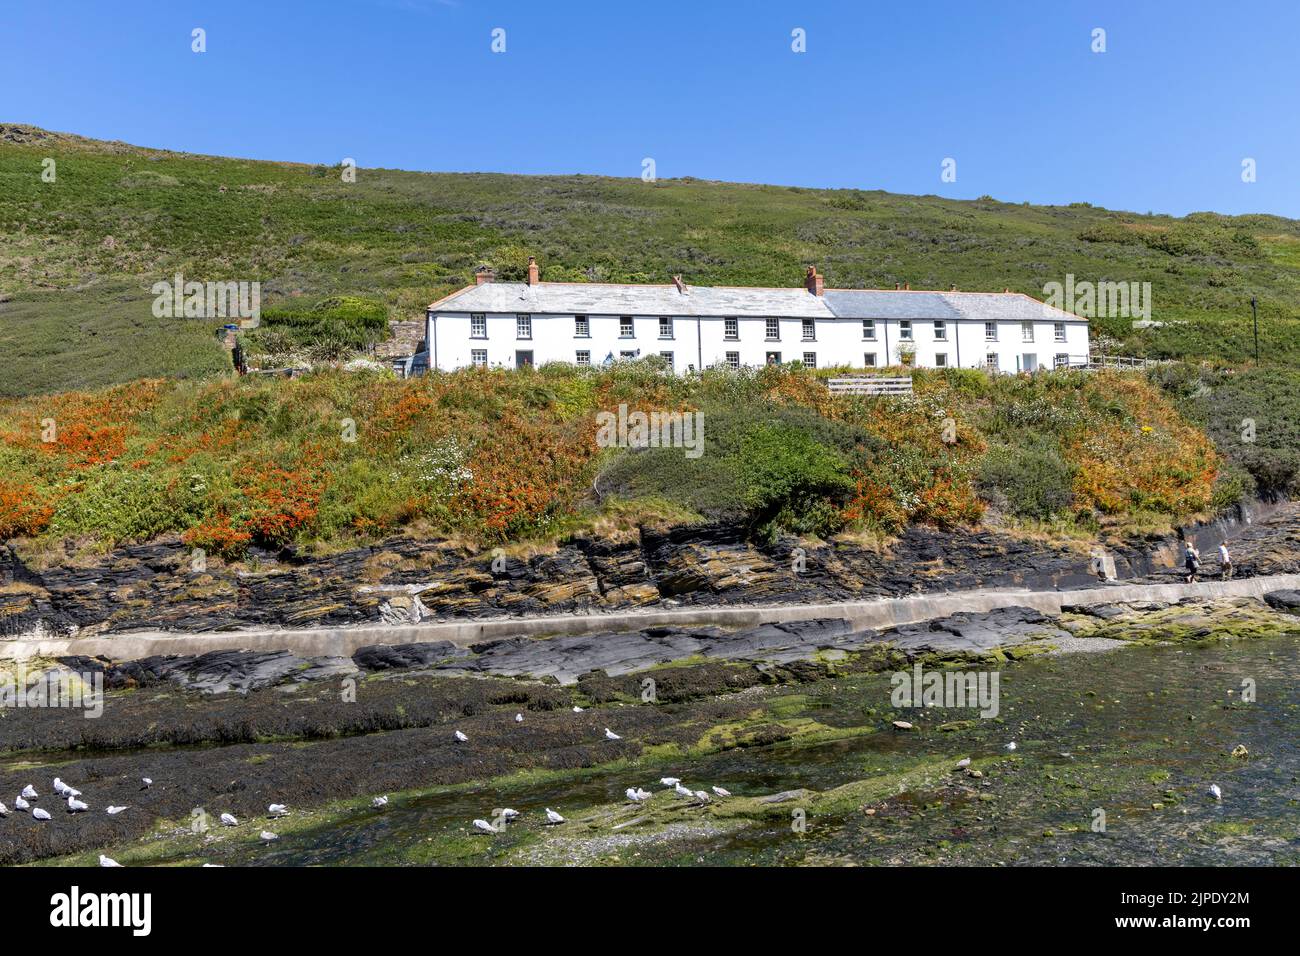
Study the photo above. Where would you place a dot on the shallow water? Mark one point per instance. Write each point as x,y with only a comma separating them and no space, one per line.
1139,733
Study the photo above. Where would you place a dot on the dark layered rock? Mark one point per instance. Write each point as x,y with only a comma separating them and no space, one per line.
1287,600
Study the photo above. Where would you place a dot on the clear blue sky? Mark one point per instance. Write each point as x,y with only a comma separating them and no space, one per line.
885,92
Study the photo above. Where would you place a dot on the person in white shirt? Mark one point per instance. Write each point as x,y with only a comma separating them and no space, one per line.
1225,561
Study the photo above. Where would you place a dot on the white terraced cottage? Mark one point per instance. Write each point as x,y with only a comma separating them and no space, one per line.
514,324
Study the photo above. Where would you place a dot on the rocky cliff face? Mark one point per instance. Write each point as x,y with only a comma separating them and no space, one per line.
404,580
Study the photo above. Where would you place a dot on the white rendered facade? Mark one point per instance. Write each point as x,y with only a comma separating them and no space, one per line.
507,325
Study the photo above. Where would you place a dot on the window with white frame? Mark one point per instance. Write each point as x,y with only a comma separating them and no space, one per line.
991,361
990,331
581,327
809,330
905,329
625,327
869,360
667,357
940,330
1058,329
773,328
869,329
524,326
477,325
940,359
733,361
478,357
627,356
810,359
1062,360
1026,331
583,357
665,327
731,329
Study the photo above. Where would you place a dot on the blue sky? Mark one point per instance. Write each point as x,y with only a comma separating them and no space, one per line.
885,92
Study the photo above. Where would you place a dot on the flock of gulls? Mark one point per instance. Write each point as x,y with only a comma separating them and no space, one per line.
25,801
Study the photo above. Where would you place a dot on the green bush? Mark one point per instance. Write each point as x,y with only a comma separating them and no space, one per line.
1028,480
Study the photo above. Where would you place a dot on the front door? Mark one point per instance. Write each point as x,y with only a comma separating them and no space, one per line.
524,358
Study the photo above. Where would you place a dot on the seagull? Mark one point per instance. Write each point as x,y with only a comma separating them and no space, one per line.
519,718
228,820
147,783
75,805
722,793
379,802
60,786
610,735
702,796
461,737
30,792
670,781
114,811
268,836
107,861
508,814
215,866
1012,745
484,826
278,810
552,817
577,710
963,763
1215,792
39,814
4,811
21,804
683,791
636,794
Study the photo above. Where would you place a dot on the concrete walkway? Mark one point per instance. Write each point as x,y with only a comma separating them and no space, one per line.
878,613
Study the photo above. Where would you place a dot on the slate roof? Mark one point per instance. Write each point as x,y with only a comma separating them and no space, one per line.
599,298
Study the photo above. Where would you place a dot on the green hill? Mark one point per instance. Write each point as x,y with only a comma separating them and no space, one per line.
78,255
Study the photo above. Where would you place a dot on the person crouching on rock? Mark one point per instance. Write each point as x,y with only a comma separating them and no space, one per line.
1225,561
1193,561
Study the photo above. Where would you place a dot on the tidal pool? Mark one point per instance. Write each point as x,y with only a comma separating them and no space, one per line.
1137,734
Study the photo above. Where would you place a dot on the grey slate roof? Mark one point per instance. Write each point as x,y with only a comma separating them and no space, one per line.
598,298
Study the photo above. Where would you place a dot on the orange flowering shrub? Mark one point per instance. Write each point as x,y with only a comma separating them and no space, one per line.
23,512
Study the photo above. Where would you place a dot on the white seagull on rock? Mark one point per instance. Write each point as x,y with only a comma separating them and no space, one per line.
722,793
484,827
1012,745
683,791
636,794
610,735
577,709
147,783
113,811
702,796
30,792
461,737
508,814
75,805
552,817
4,811
278,810
227,820
1215,792
39,814
21,804
670,781
60,786
519,718
268,836
107,861
379,802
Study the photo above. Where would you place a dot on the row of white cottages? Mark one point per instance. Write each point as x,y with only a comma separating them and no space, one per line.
515,324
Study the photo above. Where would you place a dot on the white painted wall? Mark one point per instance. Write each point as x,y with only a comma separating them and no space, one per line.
837,342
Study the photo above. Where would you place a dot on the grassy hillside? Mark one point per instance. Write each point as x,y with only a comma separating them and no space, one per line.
492,456
77,256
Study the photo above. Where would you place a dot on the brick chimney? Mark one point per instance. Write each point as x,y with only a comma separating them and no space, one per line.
907,287
532,270
483,275
813,282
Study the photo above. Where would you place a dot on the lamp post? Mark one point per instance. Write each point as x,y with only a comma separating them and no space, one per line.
1255,315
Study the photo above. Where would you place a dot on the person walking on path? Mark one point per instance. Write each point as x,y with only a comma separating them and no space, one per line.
1192,559
1225,561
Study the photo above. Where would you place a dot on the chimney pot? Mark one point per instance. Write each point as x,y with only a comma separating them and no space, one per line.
813,282
532,271
483,275
907,287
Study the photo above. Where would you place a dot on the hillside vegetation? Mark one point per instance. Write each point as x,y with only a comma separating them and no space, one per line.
78,255
490,456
